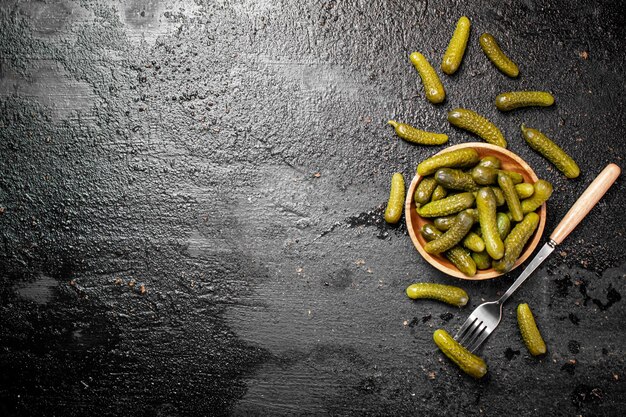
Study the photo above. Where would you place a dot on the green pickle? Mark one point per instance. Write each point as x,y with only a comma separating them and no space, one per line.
482,260
543,191
424,191
456,48
484,175
516,99
515,242
551,151
460,158
445,293
486,205
510,195
455,179
502,62
415,135
444,223
490,162
504,225
433,88
458,256
524,190
469,363
452,236
474,242
449,205
396,199
471,121
439,193
530,333
499,196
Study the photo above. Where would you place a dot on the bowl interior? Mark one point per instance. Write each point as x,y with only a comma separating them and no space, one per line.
414,221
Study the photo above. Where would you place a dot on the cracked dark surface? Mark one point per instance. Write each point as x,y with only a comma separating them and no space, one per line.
191,198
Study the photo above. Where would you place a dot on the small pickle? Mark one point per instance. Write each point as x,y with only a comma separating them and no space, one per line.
530,333
543,191
482,260
486,204
471,121
499,196
474,242
469,363
504,225
461,158
456,48
396,199
453,236
515,99
512,201
455,179
502,62
433,88
484,175
439,193
515,241
420,137
524,190
516,177
490,162
424,190
446,293
444,223
551,151
458,256
448,205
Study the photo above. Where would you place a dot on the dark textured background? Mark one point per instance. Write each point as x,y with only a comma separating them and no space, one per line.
191,197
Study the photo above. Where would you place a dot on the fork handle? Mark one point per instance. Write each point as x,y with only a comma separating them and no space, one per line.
585,202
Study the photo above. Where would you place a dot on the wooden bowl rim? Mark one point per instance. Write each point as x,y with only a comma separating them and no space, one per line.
437,261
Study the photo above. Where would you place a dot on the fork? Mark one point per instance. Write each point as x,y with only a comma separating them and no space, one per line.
486,317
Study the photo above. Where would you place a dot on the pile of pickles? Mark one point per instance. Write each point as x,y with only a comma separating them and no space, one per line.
482,215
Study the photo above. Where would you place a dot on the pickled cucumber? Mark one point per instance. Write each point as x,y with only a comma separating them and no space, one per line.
469,363
455,179
484,175
516,177
458,256
460,158
482,260
448,205
515,241
491,48
530,333
396,199
474,242
415,135
439,193
503,222
515,99
456,48
551,151
444,223
510,195
446,293
524,190
486,204
433,88
499,196
490,162
543,191
461,226
477,124
424,190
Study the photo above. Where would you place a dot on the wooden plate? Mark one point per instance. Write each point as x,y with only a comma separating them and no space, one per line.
510,162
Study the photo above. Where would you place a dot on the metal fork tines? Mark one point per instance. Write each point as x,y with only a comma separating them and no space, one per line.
479,325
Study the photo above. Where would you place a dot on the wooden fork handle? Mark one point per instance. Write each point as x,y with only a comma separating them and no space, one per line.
585,202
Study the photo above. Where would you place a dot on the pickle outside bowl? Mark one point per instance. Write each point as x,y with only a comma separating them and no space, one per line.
414,222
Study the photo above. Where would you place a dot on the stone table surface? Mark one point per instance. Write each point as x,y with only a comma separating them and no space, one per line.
191,198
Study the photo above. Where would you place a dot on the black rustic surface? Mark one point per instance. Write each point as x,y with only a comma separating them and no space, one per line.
191,197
